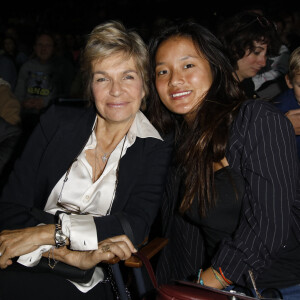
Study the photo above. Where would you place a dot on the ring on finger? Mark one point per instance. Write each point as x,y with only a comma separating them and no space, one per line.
105,248
0,254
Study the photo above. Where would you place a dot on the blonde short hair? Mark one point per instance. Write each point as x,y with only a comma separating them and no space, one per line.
110,38
294,64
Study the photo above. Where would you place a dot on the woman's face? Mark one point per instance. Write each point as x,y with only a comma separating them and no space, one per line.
252,62
117,88
183,77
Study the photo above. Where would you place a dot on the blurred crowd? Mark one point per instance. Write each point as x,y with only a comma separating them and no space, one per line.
40,62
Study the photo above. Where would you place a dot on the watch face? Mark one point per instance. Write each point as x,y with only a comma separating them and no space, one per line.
60,237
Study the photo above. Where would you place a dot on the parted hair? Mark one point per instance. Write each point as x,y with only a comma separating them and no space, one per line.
110,38
294,64
200,144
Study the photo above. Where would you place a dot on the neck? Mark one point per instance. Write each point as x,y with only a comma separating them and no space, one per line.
110,134
238,76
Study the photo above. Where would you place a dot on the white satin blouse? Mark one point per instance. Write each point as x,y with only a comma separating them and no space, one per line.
79,193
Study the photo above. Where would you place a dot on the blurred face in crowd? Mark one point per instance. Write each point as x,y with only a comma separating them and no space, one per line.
9,45
117,88
252,62
183,75
44,47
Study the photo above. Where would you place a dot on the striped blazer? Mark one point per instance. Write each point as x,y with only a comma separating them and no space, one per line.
262,148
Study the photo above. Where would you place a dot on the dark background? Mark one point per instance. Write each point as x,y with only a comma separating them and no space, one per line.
81,16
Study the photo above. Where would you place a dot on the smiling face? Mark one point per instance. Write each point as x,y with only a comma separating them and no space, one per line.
183,77
117,88
252,62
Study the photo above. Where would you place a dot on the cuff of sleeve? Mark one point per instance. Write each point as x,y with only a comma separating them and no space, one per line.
81,230
33,258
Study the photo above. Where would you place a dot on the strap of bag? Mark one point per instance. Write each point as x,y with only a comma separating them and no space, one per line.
148,267
128,231
126,226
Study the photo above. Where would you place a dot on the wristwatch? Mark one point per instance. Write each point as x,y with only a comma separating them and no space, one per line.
59,237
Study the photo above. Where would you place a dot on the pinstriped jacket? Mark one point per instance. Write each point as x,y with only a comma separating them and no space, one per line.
262,149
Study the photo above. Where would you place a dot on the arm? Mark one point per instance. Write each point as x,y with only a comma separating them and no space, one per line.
19,234
267,156
119,246
17,242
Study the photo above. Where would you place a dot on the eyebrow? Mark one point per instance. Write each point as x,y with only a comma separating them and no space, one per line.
125,72
181,59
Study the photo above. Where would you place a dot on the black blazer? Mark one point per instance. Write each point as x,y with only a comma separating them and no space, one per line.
56,141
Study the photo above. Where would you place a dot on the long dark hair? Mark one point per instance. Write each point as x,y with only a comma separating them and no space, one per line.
204,141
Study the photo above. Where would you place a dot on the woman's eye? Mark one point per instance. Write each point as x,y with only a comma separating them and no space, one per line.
129,77
188,66
162,72
101,79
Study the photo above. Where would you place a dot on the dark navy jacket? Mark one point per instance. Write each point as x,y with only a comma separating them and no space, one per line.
56,141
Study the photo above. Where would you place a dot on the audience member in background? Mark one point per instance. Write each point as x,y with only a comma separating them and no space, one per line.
10,107
10,48
269,81
41,80
249,39
10,130
8,70
289,101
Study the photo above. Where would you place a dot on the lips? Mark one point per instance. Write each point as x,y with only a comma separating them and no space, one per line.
119,104
179,95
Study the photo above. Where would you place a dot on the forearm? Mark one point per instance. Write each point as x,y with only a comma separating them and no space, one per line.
14,243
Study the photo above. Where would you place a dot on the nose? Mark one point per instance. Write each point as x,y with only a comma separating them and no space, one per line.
175,78
115,89
262,60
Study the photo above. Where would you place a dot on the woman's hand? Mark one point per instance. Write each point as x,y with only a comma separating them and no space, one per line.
119,246
22,241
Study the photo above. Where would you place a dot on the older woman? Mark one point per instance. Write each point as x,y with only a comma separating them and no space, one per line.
86,166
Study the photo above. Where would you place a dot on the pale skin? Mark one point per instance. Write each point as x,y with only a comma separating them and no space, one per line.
118,92
183,77
250,64
294,115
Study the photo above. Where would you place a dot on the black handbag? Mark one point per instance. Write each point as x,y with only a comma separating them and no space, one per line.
61,269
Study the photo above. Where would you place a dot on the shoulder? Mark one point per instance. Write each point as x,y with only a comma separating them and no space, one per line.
66,113
254,113
256,109
58,116
143,129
